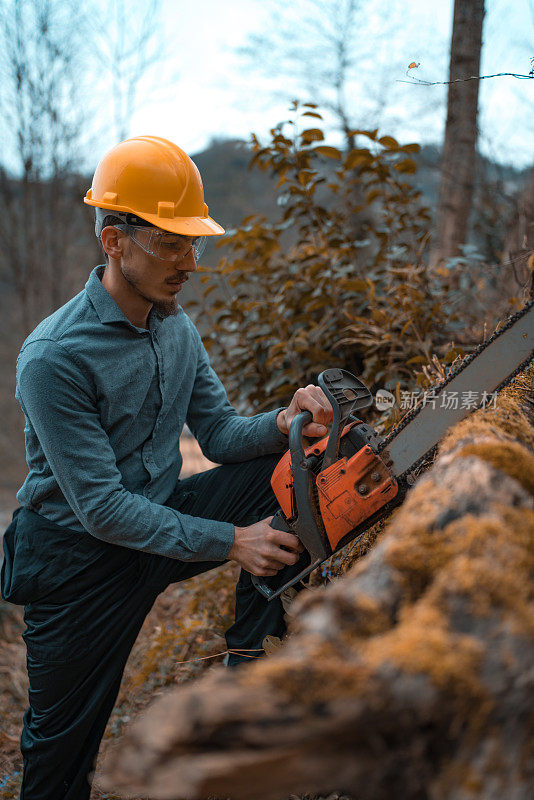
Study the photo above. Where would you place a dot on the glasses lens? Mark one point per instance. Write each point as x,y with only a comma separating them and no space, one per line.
170,247
199,245
144,237
175,247
166,246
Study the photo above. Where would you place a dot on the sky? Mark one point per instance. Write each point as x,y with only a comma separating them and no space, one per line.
203,88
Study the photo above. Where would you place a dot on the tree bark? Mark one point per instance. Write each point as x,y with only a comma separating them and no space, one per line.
459,148
409,677
519,246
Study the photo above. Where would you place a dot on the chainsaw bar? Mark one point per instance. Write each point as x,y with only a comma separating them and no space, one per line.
492,365
487,369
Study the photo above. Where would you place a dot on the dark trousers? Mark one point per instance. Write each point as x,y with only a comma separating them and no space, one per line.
85,602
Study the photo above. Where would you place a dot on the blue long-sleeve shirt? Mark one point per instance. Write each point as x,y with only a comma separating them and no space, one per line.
105,403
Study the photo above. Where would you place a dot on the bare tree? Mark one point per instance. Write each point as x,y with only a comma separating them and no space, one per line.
519,245
130,43
46,104
459,148
43,112
319,47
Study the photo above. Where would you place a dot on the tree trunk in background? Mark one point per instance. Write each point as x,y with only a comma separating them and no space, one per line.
519,245
459,148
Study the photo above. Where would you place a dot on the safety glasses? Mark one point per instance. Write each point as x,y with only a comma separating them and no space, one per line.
163,245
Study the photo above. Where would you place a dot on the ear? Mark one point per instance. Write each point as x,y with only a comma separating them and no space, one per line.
112,242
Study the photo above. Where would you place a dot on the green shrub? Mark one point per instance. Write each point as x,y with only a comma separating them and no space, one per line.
337,280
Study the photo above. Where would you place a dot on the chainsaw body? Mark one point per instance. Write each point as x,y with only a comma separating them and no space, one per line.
333,490
349,491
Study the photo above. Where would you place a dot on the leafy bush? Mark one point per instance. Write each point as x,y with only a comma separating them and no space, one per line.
337,280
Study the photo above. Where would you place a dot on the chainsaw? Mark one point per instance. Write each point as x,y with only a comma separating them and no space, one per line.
331,492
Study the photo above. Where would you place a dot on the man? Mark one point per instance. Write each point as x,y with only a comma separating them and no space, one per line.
106,384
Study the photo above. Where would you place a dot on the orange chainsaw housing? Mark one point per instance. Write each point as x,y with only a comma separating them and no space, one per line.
348,491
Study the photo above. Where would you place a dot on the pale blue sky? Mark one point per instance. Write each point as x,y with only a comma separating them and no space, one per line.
206,90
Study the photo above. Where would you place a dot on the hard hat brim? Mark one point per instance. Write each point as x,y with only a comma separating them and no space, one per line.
187,226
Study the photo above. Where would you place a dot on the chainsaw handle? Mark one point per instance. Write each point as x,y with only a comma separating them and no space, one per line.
260,583
346,394
298,423
305,526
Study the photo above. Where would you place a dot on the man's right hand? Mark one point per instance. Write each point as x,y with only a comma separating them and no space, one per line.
258,548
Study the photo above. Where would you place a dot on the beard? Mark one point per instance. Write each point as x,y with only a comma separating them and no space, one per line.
164,308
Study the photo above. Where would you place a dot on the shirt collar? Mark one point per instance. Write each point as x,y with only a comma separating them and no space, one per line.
103,303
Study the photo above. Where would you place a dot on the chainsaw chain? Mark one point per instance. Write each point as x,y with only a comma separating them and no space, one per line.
450,377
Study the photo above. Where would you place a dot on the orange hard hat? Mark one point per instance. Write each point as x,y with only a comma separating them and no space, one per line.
155,180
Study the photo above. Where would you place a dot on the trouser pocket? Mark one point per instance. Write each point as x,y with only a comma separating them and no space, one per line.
23,562
46,562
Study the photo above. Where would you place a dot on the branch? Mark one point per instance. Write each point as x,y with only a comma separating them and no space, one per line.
530,76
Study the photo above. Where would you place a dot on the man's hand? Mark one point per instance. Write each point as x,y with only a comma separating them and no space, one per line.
311,398
258,548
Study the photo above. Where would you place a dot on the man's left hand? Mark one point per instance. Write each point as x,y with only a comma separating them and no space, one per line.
310,398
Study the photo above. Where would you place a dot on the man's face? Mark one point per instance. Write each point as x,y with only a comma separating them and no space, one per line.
157,280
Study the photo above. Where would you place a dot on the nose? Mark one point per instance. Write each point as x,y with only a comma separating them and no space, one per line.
187,263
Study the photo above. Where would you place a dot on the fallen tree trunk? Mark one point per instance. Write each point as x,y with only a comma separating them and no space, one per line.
411,676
